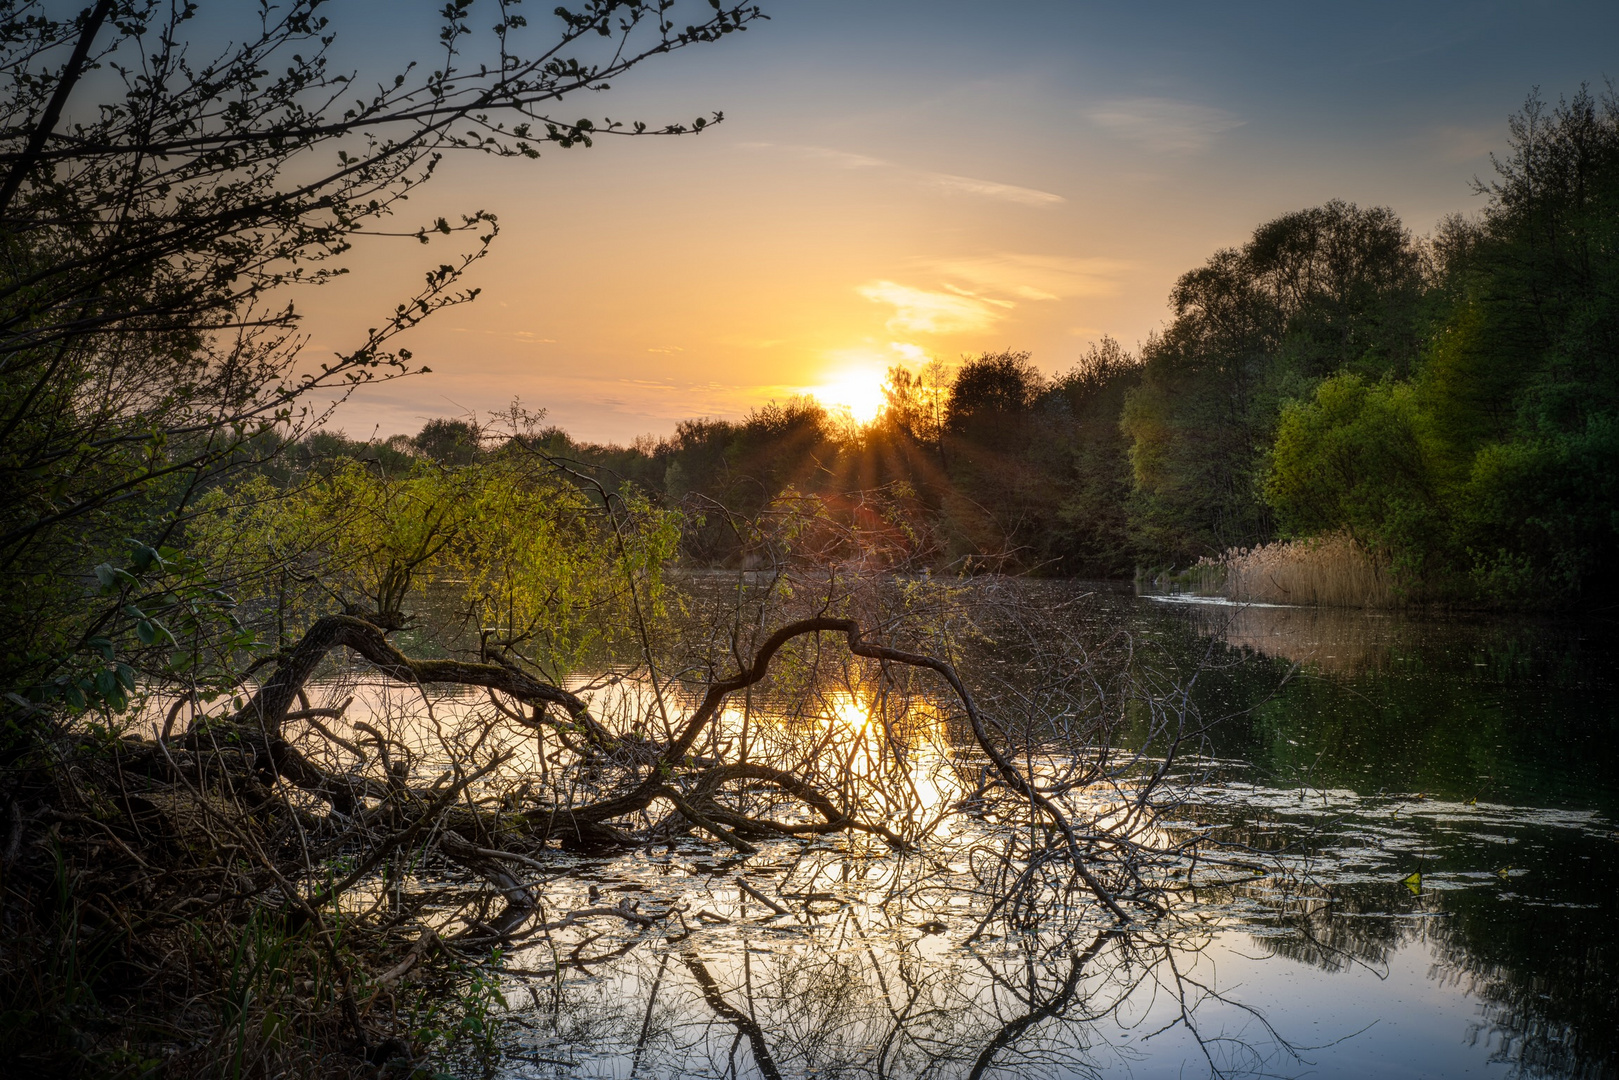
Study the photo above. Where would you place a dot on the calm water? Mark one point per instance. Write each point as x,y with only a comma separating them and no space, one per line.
1437,804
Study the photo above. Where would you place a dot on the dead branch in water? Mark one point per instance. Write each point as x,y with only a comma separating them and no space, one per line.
261,720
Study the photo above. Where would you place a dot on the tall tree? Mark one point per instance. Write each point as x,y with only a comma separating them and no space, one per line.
1489,473
1312,292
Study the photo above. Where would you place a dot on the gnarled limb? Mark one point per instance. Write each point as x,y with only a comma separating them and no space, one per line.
714,699
270,706
588,824
835,818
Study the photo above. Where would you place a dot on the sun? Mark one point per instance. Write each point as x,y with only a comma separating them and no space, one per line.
860,391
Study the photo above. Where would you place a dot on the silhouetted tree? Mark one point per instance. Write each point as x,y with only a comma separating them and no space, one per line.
993,385
449,442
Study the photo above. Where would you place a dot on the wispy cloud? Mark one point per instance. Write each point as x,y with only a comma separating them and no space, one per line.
841,159
1033,277
949,183
1163,125
524,337
927,311
990,189
976,292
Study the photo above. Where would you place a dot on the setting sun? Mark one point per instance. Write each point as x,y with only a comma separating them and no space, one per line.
860,391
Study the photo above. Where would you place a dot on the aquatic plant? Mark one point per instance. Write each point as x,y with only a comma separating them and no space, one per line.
1333,571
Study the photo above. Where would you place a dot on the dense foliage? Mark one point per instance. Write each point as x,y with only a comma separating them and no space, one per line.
990,465
1487,470
171,520
163,195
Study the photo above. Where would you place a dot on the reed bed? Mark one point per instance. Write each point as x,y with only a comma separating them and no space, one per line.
1332,571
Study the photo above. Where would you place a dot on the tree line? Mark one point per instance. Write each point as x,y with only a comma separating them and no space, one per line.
1451,402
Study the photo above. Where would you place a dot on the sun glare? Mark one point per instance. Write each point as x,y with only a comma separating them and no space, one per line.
848,709
858,391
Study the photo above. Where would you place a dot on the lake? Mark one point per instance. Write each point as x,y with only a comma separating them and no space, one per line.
1420,825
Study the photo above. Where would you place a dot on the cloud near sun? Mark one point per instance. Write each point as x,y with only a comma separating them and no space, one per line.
951,309
923,311
1033,277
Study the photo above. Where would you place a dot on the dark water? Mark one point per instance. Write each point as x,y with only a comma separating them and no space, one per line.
1437,799
1480,753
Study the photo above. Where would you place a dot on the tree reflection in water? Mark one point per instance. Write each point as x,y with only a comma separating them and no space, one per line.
844,996
876,971
1490,746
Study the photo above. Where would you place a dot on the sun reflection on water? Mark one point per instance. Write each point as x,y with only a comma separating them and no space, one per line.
849,711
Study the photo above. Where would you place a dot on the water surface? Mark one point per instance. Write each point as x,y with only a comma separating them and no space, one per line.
1431,806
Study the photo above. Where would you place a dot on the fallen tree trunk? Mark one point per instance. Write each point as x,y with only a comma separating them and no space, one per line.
670,776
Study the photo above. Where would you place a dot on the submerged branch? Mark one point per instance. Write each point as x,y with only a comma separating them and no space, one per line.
670,777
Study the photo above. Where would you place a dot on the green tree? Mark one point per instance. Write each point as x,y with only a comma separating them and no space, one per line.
1355,458
1487,472
506,544
449,442
1314,292
1524,387
1092,529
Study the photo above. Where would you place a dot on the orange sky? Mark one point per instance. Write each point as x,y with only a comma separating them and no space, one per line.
883,191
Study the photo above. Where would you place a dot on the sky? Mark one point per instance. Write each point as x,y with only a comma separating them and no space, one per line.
899,180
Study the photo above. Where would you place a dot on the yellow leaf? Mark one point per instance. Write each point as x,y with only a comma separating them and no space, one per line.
1413,882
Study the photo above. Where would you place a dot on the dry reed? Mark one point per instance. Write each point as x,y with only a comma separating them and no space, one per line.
1333,571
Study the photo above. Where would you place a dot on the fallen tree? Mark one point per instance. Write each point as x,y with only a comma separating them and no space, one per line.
662,767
